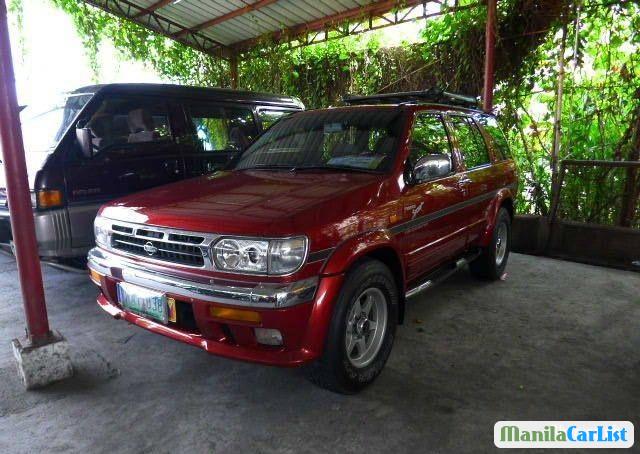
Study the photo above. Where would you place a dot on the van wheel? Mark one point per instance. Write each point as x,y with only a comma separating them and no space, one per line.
493,259
361,332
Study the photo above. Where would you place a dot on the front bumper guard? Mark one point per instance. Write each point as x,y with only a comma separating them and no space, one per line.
258,296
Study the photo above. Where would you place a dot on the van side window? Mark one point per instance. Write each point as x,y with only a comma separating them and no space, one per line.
269,116
123,121
472,146
222,128
429,136
499,140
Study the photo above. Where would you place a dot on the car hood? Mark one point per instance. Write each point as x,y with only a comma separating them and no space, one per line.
251,202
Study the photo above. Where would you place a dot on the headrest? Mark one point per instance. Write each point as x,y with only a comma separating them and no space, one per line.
140,120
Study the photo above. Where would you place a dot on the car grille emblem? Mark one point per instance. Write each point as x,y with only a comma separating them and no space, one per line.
149,248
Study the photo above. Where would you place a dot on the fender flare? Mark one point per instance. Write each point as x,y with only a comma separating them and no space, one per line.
354,248
503,195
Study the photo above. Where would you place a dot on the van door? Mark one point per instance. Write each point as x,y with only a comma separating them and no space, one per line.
134,148
432,230
218,133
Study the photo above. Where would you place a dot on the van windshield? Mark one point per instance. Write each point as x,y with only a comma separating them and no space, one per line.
342,139
42,129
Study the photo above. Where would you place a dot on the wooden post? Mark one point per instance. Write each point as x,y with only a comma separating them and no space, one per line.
233,63
489,55
557,119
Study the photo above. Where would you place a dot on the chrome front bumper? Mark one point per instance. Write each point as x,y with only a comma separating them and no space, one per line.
259,296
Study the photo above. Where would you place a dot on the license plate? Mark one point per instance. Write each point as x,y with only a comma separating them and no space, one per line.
145,302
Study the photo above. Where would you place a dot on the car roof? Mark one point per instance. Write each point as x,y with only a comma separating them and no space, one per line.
200,93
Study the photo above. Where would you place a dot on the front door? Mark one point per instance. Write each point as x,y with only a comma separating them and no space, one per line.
431,229
133,149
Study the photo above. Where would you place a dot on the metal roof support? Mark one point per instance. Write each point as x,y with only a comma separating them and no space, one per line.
43,356
489,56
225,17
151,20
155,6
18,194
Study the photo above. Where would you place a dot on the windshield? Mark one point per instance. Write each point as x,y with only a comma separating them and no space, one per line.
42,129
354,139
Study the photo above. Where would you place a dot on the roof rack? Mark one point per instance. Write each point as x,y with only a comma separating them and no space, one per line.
432,95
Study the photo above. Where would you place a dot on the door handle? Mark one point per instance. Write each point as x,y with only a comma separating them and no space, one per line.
172,167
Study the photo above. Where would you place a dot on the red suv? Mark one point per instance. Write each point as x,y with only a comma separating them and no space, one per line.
305,252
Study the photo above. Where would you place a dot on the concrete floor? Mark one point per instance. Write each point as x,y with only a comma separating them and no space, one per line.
556,340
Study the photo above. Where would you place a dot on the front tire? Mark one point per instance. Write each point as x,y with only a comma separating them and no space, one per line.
493,259
361,332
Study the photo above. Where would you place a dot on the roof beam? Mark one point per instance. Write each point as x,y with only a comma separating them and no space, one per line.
158,24
155,6
228,16
373,9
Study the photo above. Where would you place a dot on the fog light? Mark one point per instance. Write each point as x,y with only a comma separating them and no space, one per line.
268,336
96,277
234,314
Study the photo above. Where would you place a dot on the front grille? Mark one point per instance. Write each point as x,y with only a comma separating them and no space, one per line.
152,244
3,197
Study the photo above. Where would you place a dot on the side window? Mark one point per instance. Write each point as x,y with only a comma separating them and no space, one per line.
122,121
500,144
428,136
222,129
472,146
269,116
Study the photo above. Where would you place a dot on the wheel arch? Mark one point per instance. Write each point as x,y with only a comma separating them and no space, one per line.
377,245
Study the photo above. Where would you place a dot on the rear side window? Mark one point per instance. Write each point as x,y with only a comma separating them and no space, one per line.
269,116
500,144
472,146
121,121
222,129
428,136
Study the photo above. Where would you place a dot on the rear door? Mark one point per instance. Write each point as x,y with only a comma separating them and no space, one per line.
134,149
478,180
217,134
431,230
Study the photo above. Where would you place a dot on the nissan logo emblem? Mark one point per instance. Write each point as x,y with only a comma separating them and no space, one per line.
149,248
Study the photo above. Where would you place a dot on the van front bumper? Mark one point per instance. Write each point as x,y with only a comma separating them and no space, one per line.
53,233
300,311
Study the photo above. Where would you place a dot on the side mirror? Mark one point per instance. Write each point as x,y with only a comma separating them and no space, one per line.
431,166
85,137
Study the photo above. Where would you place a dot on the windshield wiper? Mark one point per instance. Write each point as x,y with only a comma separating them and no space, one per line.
268,167
339,168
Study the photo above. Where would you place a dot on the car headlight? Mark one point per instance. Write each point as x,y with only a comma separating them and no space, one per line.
102,232
278,256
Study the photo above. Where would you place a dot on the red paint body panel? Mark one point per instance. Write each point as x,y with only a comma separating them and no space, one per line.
348,215
303,327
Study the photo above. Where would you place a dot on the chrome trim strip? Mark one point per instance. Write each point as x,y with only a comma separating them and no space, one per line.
260,296
422,220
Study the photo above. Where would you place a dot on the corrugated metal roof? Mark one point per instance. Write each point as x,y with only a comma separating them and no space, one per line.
224,26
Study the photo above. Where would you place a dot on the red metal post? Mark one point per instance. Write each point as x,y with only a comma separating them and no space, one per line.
489,56
15,168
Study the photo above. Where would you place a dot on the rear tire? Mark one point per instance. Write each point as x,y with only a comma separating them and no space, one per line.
361,331
493,259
